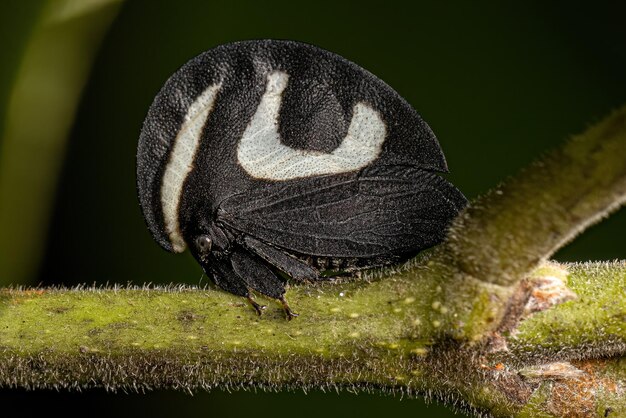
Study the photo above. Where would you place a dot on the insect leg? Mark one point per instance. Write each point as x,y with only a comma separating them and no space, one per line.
258,308
259,277
294,268
225,278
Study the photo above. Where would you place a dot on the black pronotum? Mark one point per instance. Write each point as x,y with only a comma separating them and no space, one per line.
276,156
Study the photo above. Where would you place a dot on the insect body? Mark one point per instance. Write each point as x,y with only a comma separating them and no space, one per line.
266,156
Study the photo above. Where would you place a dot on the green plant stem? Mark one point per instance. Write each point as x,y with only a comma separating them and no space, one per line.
505,234
350,335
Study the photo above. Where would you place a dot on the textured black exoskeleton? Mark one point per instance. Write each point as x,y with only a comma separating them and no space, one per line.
266,156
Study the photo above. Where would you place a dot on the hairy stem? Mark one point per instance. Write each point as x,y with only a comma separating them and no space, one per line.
350,335
505,234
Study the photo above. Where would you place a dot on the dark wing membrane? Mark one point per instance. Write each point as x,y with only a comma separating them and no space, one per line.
378,212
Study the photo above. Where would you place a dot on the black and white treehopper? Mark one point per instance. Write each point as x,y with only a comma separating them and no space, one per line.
276,156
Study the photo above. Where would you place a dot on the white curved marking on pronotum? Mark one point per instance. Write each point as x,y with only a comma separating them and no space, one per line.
262,155
181,160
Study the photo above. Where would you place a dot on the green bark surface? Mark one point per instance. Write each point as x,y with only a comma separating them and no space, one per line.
361,336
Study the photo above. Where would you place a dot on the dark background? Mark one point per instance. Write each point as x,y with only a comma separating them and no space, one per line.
498,84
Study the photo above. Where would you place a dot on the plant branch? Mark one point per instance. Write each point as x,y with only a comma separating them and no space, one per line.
505,234
350,335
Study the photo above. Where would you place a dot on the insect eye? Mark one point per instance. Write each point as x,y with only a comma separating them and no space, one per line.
203,243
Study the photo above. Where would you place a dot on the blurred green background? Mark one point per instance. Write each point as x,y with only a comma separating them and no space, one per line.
499,84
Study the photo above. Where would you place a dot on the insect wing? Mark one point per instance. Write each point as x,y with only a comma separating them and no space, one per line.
377,212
